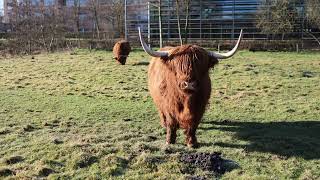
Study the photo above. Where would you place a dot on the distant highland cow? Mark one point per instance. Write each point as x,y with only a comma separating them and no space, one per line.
180,86
121,51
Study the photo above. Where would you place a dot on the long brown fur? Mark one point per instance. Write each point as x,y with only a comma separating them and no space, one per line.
121,51
181,108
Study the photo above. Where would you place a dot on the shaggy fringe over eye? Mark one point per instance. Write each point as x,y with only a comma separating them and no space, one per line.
189,59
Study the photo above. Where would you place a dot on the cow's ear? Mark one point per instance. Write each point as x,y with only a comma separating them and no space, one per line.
212,61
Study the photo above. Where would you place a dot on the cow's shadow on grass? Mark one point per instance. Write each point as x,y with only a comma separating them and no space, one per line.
287,139
141,63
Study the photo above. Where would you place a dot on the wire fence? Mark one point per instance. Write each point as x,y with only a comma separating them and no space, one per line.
211,20
212,23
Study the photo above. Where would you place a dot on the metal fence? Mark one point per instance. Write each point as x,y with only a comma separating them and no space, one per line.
209,20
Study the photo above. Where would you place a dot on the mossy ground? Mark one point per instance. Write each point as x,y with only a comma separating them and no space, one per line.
82,115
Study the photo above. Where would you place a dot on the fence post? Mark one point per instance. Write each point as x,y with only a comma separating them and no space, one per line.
160,23
125,20
149,26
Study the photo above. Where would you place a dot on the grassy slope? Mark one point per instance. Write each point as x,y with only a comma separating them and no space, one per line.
83,115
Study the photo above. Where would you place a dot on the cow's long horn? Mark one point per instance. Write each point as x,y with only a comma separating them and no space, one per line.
228,54
148,50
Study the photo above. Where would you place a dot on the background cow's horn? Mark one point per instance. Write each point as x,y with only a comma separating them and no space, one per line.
228,54
148,50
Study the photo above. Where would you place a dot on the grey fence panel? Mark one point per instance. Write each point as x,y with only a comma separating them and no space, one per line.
209,20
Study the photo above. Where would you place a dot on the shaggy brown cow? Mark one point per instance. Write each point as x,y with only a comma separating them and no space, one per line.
121,51
180,86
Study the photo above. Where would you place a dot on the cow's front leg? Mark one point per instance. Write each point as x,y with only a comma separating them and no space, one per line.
171,135
163,119
191,139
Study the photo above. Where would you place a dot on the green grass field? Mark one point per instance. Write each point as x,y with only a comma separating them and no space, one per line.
80,115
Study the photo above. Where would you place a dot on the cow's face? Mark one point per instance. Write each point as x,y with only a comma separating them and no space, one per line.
189,64
121,59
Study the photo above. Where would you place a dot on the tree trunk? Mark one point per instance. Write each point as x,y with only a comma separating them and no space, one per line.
178,18
97,23
77,19
160,24
95,3
186,27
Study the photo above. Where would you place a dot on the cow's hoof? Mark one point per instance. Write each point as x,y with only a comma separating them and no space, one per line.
168,143
194,145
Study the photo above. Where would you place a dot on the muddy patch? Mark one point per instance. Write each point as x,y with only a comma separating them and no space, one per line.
307,74
6,172
4,131
195,178
44,171
28,128
13,160
57,141
84,160
209,162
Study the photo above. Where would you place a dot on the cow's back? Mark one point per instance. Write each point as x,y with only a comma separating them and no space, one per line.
121,48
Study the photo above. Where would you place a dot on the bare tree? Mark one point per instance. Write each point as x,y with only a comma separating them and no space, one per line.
35,28
76,19
313,36
185,11
118,11
76,14
94,9
276,17
186,27
178,18
113,14
313,12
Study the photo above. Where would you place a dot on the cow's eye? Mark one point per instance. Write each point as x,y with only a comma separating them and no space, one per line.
185,85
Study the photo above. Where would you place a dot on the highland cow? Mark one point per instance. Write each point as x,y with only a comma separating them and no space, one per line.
180,86
121,51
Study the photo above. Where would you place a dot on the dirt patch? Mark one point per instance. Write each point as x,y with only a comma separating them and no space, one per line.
28,128
51,124
126,119
14,160
151,138
6,172
57,141
206,161
307,74
195,178
85,160
4,131
44,172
